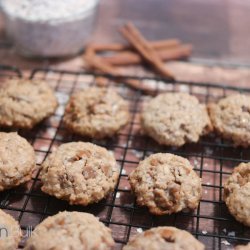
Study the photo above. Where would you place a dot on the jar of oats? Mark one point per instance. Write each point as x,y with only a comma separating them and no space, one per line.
45,28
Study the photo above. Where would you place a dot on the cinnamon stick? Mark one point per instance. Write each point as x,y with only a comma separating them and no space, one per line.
99,64
141,45
129,57
160,44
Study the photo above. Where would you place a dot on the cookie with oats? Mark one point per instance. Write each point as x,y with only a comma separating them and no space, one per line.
231,118
174,119
166,184
79,172
96,112
17,160
10,232
24,103
237,193
243,247
164,238
71,230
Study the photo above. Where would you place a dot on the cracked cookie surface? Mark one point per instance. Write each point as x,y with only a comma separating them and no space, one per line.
166,184
10,232
231,118
79,172
237,193
17,160
24,103
164,238
174,119
96,112
70,231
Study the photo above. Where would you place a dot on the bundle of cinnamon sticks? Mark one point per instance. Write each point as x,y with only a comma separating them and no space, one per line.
139,50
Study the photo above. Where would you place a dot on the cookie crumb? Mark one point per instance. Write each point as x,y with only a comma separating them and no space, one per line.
123,171
225,242
231,234
138,154
208,151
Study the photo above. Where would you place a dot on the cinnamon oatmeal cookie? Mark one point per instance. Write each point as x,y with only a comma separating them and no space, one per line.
96,113
24,103
10,232
166,184
17,160
164,238
243,247
237,193
231,118
79,172
174,119
70,231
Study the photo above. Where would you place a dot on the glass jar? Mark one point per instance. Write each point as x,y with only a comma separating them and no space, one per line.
37,31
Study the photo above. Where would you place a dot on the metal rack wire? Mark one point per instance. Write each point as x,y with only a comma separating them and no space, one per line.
213,159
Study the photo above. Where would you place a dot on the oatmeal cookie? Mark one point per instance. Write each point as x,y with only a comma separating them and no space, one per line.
237,193
174,119
70,231
231,118
166,184
79,172
164,238
24,103
17,160
96,113
10,232
243,247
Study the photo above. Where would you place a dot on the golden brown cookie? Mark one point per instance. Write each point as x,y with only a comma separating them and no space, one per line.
70,231
24,103
17,160
243,247
166,184
174,119
10,232
231,118
237,193
79,172
164,238
96,113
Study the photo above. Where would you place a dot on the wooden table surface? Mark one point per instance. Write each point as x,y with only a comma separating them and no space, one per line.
217,28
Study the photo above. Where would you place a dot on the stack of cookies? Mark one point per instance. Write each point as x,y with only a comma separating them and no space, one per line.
83,173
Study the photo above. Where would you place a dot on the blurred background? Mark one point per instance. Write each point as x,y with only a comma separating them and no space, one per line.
218,29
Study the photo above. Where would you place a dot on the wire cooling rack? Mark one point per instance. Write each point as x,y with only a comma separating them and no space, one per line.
213,159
